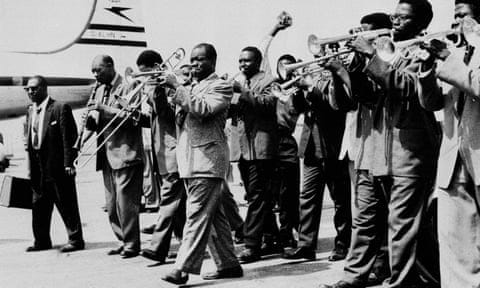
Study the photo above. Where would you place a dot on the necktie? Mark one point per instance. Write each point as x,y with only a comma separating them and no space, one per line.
106,94
461,97
36,127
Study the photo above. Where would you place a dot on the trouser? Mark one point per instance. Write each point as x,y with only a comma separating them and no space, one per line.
288,179
151,185
206,225
317,173
406,198
171,218
64,196
123,191
257,178
459,230
367,251
231,208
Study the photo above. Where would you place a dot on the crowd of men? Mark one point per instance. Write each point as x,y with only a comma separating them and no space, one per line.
369,134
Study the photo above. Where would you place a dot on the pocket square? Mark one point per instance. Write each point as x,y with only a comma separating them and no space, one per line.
53,123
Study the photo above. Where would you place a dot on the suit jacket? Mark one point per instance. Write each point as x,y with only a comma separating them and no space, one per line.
254,121
125,147
202,149
59,133
406,136
323,123
164,137
461,129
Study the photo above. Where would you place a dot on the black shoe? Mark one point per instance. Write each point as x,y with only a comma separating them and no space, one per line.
233,272
150,254
35,248
176,277
301,253
342,284
72,247
148,230
270,249
115,251
376,279
337,255
128,254
248,256
238,239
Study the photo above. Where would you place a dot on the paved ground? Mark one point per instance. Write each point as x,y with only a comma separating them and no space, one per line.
93,268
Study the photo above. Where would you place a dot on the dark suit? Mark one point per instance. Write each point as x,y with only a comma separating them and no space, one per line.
121,161
255,130
47,169
320,146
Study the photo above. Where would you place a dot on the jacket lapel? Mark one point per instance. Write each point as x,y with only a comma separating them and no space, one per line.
46,118
29,126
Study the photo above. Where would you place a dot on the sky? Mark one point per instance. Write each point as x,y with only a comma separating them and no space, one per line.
228,24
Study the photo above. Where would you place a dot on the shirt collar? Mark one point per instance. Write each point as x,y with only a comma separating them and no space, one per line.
42,105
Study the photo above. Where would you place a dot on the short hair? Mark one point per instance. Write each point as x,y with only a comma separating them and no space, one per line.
377,20
474,4
42,82
209,50
149,58
287,57
107,59
256,53
422,10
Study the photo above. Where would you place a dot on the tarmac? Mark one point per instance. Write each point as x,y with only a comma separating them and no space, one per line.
92,267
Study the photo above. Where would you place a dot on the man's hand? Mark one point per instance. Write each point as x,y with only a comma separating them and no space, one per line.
237,87
94,105
362,45
169,80
70,171
437,49
334,65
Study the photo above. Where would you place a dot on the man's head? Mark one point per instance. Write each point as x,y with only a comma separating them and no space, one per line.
37,89
148,59
103,69
410,18
285,59
375,21
470,8
249,61
203,61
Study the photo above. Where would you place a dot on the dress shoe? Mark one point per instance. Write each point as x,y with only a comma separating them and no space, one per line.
238,239
270,249
176,277
248,256
232,272
115,251
72,247
342,284
148,230
150,254
337,255
301,253
35,248
376,278
128,254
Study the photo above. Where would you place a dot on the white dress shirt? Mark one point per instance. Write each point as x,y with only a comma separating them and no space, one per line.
42,108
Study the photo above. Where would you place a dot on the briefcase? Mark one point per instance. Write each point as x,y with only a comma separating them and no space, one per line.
15,192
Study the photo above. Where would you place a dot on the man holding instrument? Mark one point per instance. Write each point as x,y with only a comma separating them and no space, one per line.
406,137
458,173
120,159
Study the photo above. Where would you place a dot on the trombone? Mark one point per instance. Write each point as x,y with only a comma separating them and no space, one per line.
128,110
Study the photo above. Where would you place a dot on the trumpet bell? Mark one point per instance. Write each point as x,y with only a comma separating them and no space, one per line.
314,46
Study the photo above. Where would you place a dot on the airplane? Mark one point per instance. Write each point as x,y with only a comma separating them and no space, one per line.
113,27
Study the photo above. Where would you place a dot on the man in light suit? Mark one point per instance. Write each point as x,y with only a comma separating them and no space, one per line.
458,178
121,158
202,155
51,134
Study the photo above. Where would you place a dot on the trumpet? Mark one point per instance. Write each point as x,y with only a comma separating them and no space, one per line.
315,44
129,110
287,88
283,70
78,144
